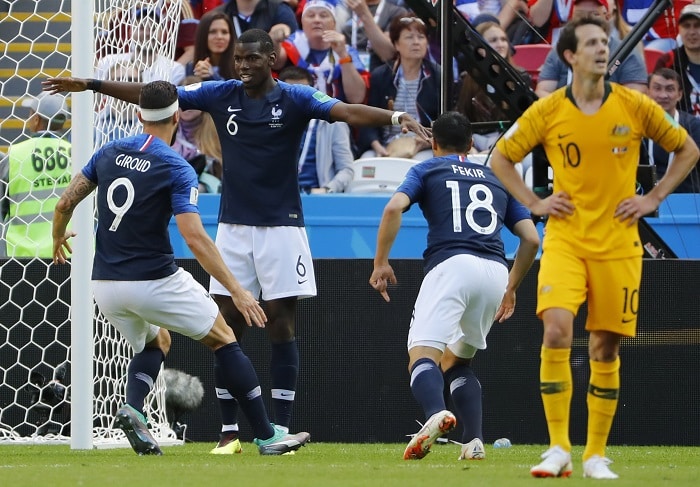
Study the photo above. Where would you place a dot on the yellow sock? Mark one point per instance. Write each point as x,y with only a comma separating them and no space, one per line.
556,391
603,392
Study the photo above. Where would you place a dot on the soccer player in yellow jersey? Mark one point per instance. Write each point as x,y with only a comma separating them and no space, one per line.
591,132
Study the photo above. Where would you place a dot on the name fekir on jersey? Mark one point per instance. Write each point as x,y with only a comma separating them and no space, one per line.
260,140
466,207
141,183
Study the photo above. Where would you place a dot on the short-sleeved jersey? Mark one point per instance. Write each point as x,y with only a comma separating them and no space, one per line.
594,159
141,183
465,206
260,140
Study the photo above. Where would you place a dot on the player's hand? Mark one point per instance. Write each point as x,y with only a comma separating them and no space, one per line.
381,277
410,124
558,205
632,209
61,247
58,85
250,308
507,307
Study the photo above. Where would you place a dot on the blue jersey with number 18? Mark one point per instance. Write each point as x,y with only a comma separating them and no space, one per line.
141,183
465,205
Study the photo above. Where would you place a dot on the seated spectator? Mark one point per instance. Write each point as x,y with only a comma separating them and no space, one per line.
152,66
471,9
619,28
474,101
197,142
184,44
665,27
366,28
275,17
335,67
685,59
325,156
665,89
534,21
411,84
116,118
213,49
33,175
632,72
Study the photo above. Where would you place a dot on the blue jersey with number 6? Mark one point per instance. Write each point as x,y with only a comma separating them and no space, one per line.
465,205
141,183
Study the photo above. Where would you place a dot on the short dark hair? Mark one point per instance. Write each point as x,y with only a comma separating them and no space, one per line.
296,73
669,74
158,94
453,131
400,23
258,35
567,37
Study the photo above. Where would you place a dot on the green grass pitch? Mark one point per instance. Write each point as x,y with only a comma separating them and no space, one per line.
329,464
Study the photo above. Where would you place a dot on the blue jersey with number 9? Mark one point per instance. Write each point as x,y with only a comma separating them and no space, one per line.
141,183
465,205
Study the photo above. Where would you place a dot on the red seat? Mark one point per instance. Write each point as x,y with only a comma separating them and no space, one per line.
531,57
651,57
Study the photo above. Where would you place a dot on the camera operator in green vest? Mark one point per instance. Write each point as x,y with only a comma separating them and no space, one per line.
33,175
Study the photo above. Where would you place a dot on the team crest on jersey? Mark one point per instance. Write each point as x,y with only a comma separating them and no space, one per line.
620,130
322,97
276,114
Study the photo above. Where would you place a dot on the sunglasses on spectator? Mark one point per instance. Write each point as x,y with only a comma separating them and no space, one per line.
408,20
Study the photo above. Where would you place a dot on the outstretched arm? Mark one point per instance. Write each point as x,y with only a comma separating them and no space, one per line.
524,257
383,274
76,192
206,253
121,90
366,116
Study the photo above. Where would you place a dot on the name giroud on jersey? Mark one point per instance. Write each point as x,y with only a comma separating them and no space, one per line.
134,163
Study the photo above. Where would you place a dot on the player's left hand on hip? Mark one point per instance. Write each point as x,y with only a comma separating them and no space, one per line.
632,209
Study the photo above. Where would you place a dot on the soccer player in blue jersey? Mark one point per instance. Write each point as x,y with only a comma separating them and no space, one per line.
141,183
466,286
261,233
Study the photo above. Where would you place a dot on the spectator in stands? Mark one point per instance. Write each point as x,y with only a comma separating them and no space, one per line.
534,21
184,47
555,73
411,84
33,175
152,66
213,50
275,17
367,26
336,67
200,7
325,160
474,101
117,118
471,9
665,89
453,314
685,59
619,28
196,141
665,27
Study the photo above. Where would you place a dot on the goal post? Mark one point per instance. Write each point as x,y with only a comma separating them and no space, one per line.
63,368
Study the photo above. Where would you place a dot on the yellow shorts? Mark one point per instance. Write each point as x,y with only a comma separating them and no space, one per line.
611,287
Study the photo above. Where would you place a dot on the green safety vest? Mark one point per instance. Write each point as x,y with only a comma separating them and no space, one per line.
39,171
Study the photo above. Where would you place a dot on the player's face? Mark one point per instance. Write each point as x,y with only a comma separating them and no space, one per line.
219,36
665,92
592,50
253,66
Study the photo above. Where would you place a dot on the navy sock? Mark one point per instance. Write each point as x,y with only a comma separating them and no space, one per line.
239,378
284,368
228,406
142,373
427,385
466,396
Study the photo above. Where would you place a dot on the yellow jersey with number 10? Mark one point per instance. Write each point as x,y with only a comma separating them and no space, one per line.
594,159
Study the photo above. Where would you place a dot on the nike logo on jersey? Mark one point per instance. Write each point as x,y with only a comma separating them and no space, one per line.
625,321
231,110
563,136
301,281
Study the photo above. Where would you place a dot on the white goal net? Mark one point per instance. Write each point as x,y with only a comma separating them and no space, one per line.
133,41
